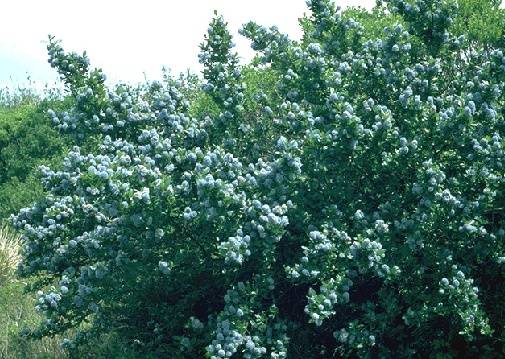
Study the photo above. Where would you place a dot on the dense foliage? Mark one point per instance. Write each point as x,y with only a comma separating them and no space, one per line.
27,140
349,203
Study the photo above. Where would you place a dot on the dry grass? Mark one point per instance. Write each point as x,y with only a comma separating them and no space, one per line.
9,253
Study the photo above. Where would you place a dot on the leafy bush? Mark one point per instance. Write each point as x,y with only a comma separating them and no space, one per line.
354,208
27,140
481,21
16,194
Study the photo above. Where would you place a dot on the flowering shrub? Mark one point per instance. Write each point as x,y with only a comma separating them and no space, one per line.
355,209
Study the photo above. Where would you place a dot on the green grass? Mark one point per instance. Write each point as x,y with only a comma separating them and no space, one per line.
17,308
17,312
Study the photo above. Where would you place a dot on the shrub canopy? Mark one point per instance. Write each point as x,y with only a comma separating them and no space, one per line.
345,197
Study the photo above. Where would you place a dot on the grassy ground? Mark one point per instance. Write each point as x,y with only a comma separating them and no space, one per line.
17,308
16,312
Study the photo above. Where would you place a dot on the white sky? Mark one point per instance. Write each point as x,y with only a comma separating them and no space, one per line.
129,38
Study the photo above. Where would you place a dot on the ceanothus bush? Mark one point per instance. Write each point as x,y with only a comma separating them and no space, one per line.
369,222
